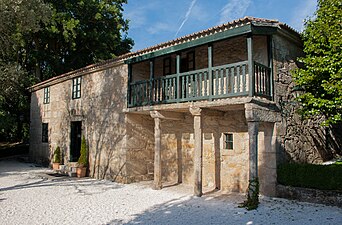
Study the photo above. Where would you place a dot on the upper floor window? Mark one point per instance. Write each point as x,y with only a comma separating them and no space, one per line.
228,141
47,95
191,60
188,63
76,88
45,132
167,66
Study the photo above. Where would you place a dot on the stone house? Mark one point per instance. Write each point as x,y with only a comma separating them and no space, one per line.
212,109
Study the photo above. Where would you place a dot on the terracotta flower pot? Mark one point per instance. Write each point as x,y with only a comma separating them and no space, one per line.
55,166
81,171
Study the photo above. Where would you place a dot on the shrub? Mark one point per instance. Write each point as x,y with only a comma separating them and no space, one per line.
323,177
57,155
83,160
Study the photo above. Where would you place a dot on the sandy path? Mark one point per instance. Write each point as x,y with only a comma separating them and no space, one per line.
28,195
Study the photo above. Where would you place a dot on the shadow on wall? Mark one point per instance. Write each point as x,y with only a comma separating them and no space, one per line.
104,100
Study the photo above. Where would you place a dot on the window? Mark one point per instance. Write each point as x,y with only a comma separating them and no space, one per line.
47,95
188,63
191,60
228,141
167,66
76,88
45,132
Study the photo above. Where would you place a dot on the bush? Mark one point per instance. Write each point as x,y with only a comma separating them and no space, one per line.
57,155
83,160
323,177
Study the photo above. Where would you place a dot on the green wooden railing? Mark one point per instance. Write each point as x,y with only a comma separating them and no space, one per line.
204,84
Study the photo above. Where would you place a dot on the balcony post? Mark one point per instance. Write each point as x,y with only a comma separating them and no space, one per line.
251,75
151,81
178,85
270,63
210,64
129,90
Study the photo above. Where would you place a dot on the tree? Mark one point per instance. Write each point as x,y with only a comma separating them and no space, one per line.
321,76
80,33
18,19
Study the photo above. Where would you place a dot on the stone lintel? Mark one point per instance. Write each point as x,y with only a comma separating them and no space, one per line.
257,113
167,115
212,112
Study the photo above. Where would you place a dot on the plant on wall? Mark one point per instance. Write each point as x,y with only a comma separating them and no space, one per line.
252,201
83,160
57,155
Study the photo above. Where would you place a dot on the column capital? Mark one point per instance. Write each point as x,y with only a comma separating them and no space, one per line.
195,111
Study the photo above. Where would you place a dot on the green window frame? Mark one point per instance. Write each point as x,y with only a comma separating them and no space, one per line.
46,95
45,132
228,141
76,88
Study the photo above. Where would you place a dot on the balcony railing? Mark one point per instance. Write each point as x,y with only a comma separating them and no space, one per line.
205,84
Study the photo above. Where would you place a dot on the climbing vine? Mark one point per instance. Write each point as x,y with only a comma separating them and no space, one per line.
252,201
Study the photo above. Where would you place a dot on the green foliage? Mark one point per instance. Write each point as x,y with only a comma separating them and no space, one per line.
321,76
43,38
252,201
19,18
323,177
14,102
83,160
57,155
80,33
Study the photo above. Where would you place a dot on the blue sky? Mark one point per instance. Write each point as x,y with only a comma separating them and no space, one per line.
156,21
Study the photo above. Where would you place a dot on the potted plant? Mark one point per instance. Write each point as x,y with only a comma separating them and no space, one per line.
83,160
56,159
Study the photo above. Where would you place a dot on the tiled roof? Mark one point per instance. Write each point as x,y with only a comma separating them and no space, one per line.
220,28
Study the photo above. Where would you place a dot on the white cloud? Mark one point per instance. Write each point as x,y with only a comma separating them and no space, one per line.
186,16
302,12
159,27
234,9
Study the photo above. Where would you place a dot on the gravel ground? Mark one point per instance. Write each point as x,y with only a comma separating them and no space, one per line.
32,195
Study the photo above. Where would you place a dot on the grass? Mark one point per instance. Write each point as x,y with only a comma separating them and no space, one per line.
322,177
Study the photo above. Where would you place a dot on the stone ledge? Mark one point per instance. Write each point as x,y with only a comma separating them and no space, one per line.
333,198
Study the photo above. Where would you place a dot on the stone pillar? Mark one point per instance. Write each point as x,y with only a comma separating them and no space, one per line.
198,153
253,129
157,184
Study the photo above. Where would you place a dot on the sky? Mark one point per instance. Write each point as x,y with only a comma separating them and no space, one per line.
156,21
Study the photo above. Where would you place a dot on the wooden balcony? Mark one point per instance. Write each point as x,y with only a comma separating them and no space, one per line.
225,81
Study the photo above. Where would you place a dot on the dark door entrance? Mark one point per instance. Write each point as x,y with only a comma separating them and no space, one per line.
75,140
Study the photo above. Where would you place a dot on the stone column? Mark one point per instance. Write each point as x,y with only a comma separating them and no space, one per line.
253,129
157,184
198,153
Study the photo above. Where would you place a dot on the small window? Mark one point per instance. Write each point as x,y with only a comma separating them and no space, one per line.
76,88
45,132
167,66
47,95
228,141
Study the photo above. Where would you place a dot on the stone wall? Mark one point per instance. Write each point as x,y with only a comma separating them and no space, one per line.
299,140
100,108
139,147
222,168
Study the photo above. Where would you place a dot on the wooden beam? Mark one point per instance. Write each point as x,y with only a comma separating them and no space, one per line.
251,79
167,115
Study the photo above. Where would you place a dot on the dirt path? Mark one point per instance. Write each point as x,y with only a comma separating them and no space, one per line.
31,195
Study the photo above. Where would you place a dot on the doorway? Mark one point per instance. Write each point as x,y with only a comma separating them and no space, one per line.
75,140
